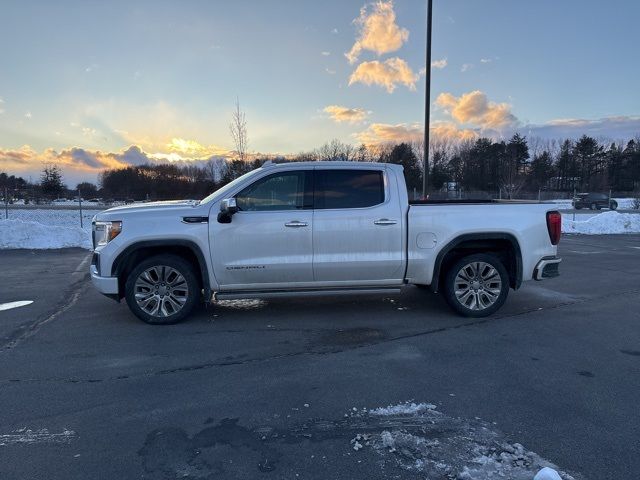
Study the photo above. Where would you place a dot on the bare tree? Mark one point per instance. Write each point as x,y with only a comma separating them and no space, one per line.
336,150
238,129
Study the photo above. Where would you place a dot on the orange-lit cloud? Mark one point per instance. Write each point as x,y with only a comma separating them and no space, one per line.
191,148
474,108
387,74
80,160
381,133
342,114
377,31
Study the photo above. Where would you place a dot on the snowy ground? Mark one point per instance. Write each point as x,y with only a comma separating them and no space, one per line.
44,229
602,223
51,228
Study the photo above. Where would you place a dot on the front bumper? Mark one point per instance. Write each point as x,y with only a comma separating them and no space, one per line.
548,267
105,285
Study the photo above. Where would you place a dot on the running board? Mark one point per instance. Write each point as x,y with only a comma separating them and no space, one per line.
305,293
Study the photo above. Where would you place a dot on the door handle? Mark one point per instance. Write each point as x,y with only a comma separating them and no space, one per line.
295,224
385,221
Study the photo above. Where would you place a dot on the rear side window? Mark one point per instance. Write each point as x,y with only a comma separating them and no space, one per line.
348,188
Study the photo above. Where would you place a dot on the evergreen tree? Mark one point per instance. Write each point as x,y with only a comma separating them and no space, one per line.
51,181
540,171
402,154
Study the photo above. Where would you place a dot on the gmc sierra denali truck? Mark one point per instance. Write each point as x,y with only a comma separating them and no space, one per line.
319,228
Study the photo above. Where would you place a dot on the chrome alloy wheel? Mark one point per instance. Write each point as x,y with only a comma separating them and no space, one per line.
161,291
477,285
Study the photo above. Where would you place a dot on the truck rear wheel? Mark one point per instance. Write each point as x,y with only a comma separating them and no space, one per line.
476,285
162,290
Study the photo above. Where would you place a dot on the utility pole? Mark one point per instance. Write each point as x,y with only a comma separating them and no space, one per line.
427,103
80,203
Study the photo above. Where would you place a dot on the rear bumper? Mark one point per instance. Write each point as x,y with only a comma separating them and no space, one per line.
548,267
105,285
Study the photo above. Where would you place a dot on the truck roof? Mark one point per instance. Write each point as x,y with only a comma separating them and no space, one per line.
331,163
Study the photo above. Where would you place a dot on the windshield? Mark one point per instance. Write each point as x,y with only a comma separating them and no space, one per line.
220,193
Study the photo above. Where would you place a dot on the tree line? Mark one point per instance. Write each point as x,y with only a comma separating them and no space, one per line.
494,167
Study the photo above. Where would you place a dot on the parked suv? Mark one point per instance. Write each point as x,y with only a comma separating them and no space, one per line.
594,201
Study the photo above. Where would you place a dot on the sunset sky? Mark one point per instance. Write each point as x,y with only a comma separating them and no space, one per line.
93,84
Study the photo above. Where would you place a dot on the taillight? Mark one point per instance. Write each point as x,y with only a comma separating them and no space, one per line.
554,226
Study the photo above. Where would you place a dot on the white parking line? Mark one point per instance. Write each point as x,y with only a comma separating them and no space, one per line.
83,265
28,436
10,305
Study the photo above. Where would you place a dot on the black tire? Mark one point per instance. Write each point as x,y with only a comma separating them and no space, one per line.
449,290
177,264
593,206
613,205
578,207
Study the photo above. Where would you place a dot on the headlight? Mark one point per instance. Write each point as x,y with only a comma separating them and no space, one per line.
104,232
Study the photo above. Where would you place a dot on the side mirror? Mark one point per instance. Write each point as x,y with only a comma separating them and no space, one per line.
228,207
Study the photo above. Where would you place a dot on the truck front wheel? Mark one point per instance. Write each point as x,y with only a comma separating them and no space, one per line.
162,290
476,285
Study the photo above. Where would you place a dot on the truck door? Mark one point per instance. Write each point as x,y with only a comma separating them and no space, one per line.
357,228
268,244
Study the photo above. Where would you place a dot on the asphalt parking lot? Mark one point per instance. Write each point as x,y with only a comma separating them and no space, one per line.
252,389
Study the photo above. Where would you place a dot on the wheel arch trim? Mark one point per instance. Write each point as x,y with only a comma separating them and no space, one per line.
478,236
122,258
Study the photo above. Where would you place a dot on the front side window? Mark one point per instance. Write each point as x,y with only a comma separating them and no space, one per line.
348,188
280,191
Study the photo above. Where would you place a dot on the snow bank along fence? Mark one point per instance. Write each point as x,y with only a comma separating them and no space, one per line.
78,201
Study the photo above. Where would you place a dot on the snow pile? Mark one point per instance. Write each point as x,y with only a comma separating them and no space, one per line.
27,234
46,228
604,223
402,409
51,216
418,438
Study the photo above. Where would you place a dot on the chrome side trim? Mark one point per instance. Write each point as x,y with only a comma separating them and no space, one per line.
305,293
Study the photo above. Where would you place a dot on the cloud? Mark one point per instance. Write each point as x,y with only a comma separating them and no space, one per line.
474,108
377,31
80,161
345,114
387,74
89,132
193,149
28,115
380,133
440,64
466,66
616,127
1,105
325,54
329,71
486,60
449,130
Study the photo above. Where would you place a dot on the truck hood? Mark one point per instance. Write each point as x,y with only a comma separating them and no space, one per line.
175,206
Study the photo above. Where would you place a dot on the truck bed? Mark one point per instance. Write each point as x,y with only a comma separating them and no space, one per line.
483,201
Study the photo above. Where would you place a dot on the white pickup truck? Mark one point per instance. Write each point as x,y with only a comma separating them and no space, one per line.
319,228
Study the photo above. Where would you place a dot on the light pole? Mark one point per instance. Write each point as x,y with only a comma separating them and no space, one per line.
427,103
